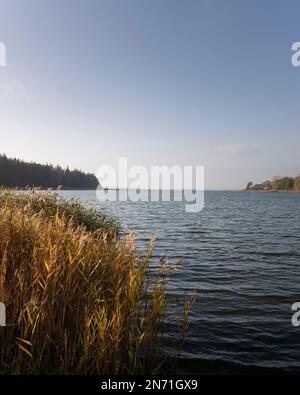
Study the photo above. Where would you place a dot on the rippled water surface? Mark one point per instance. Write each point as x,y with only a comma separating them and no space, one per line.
242,255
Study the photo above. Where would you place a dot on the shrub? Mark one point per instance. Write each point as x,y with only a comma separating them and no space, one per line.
297,183
50,205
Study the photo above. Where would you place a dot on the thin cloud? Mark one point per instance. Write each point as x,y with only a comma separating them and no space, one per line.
234,150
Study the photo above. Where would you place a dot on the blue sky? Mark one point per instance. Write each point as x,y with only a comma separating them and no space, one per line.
184,82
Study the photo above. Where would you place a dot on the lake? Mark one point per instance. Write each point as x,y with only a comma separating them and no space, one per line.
242,255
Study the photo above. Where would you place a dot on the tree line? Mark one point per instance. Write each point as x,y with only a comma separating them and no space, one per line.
17,173
277,184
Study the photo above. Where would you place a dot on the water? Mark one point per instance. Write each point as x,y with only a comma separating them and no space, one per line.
242,255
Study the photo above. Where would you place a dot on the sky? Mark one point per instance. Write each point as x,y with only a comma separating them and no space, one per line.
160,82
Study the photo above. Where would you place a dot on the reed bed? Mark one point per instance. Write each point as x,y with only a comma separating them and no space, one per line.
79,297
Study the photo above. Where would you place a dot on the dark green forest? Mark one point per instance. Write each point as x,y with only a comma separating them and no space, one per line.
17,173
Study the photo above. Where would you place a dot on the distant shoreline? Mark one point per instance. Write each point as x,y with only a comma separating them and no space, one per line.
47,189
264,191
271,190
117,189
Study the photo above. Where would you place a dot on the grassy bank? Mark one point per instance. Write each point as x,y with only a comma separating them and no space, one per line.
79,296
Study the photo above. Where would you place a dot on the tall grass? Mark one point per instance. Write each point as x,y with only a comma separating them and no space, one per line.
79,298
